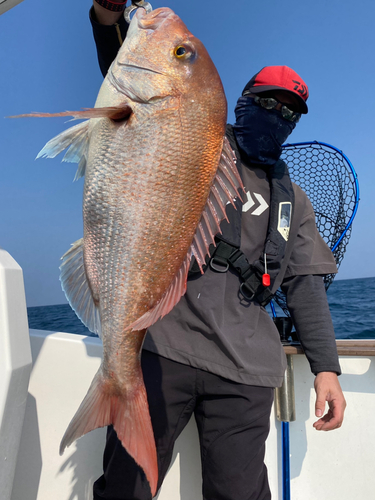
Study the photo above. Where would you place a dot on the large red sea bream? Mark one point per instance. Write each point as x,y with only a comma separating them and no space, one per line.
158,174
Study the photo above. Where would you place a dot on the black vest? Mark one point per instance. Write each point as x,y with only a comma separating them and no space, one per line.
227,252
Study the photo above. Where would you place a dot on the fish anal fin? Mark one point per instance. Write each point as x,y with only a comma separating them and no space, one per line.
225,189
77,288
105,404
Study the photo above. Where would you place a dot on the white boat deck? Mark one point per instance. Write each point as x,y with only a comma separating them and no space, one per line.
336,465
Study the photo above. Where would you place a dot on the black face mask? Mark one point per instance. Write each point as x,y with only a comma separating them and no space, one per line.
260,132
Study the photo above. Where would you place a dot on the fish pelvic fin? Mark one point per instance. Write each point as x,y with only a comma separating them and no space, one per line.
74,138
77,289
77,137
225,189
103,405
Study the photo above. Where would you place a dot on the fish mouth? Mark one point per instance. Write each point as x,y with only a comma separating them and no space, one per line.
141,21
153,19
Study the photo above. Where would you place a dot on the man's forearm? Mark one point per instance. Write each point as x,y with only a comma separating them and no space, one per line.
308,305
108,38
105,16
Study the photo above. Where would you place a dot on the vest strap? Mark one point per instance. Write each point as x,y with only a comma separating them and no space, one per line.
227,255
219,261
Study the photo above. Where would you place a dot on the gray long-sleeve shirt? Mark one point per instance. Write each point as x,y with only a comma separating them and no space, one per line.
212,327
308,306
215,329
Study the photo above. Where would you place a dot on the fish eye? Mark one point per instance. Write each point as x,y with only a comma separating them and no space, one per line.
183,51
180,51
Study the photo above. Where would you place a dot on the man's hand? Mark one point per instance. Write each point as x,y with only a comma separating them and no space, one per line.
327,388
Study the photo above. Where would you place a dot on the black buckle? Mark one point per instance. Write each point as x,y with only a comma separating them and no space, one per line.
238,260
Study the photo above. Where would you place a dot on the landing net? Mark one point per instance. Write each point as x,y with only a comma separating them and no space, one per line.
330,181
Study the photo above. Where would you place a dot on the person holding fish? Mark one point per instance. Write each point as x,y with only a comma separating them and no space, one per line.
217,354
190,227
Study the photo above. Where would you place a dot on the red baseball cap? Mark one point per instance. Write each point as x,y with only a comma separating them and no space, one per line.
279,78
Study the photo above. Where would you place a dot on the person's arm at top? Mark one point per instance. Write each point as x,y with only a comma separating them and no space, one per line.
308,305
109,30
106,16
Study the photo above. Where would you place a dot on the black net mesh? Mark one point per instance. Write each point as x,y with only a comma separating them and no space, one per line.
328,180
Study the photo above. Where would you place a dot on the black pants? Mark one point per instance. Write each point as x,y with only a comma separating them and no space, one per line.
232,421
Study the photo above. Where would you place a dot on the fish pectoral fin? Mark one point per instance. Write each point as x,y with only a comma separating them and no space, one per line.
77,289
77,138
225,189
104,405
113,112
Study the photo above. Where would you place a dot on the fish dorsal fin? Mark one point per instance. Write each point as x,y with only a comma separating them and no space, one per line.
170,298
225,189
77,289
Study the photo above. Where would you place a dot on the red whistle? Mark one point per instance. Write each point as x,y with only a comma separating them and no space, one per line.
266,280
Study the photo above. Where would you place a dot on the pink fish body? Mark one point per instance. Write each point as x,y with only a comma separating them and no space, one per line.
158,174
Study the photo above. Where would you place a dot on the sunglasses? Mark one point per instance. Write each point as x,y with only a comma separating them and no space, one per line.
271,103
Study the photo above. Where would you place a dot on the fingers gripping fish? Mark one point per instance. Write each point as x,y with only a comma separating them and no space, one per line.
158,175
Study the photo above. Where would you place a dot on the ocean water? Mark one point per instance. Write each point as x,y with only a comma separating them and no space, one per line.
351,303
352,306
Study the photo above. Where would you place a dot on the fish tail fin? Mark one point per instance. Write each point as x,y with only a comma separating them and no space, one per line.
104,405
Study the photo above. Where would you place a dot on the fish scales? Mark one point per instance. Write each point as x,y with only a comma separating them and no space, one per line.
158,175
128,214
152,209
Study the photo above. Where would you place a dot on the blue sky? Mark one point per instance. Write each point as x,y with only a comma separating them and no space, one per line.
48,63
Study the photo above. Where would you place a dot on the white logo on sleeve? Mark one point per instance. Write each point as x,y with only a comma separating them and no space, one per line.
262,204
